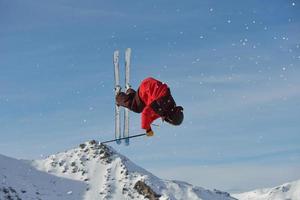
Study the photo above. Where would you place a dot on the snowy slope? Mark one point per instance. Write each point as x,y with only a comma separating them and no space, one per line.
102,173
20,180
287,191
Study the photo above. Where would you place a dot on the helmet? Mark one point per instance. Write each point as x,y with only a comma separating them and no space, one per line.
175,116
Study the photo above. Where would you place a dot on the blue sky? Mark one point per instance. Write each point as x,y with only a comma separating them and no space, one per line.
234,66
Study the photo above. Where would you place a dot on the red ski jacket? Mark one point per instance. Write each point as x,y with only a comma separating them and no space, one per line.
149,91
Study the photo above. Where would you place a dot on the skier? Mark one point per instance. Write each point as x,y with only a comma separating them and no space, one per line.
153,99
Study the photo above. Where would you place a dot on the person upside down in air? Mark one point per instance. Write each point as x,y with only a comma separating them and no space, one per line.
154,100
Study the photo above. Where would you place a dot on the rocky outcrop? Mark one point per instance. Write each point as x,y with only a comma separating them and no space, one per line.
143,189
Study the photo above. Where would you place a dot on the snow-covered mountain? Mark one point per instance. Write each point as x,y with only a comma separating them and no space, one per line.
287,191
92,171
19,180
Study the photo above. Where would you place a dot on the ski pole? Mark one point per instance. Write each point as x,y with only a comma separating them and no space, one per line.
155,125
139,135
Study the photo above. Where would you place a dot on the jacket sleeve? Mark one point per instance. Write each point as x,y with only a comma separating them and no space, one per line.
148,116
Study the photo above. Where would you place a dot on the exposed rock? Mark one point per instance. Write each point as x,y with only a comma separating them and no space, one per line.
82,146
8,193
146,191
221,193
93,142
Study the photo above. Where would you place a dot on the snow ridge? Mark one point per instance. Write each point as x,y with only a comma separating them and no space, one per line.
287,191
91,171
110,175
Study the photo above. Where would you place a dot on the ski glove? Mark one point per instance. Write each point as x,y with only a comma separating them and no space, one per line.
149,133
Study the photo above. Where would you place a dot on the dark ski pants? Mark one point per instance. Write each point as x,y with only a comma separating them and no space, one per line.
130,100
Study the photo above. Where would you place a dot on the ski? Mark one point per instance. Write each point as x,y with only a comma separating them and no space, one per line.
117,90
127,86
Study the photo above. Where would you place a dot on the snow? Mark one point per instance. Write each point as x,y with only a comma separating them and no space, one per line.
287,191
19,180
96,171
91,171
